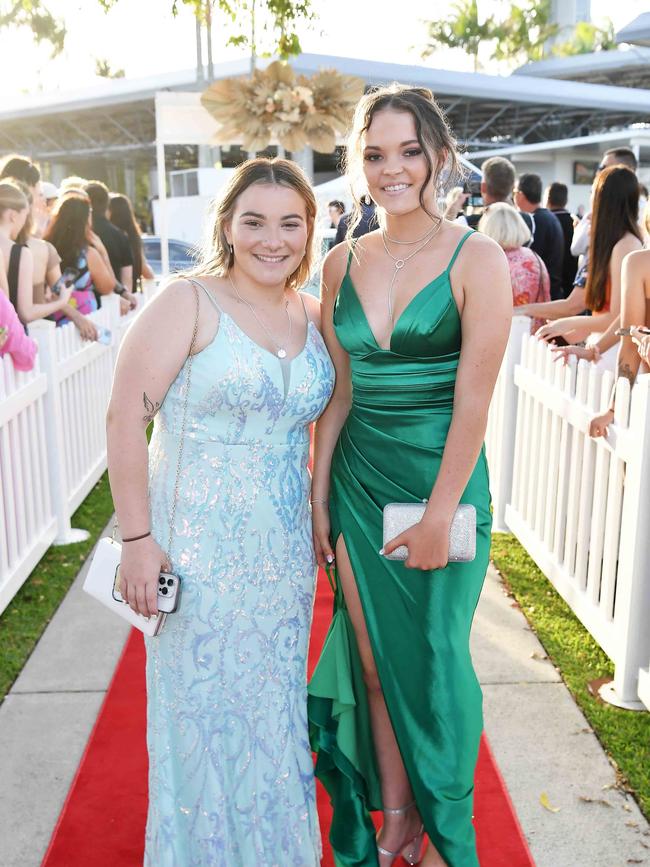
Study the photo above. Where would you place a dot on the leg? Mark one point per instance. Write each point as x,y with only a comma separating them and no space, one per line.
395,787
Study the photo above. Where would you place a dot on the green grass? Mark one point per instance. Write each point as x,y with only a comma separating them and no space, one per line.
625,735
23,621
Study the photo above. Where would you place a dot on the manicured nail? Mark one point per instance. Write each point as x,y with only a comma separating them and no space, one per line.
329,558
381,551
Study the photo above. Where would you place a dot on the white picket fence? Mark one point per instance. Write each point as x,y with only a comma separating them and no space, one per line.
52,438
581,507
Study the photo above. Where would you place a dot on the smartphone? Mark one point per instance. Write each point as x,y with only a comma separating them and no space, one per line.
66,280
104,335
631,329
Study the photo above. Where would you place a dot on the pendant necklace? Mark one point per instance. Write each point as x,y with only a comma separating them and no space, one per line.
400,261
280,351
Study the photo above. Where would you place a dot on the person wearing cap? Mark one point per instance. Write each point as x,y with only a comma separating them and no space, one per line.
50,194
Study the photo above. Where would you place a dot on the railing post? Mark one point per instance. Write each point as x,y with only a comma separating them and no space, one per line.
632,613
504,422
43,332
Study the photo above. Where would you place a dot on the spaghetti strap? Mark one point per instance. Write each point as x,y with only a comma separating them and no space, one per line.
304,307
458,249
207,292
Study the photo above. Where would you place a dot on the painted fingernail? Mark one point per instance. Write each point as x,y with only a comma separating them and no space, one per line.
381,551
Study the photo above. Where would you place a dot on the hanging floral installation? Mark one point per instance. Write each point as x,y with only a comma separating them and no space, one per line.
275,104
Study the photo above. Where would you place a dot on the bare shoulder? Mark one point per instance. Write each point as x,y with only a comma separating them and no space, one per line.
174,304
638,260
334,267
481,253
312,306
628,244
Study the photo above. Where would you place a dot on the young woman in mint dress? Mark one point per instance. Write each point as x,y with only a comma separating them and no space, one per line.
416,317
231,777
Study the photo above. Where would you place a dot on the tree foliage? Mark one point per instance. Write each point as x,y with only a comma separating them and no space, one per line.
521,34
103,69
34,15
586,38
462,29
279,20
524,32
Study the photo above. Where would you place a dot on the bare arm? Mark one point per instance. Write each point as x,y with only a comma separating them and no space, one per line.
152,353
102,276
126,277
27,310
147,272
578,328
486,318
570,306
485,322
633,312
328,427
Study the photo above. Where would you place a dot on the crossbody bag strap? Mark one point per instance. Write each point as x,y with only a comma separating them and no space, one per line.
188,380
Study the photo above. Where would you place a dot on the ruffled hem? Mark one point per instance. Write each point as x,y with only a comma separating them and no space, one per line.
339,732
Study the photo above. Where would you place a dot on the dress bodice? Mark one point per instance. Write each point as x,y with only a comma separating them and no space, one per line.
240,393
419,368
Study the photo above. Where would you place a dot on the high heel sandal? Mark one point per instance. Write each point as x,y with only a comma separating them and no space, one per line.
411,852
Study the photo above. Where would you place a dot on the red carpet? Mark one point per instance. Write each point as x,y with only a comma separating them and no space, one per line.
102,821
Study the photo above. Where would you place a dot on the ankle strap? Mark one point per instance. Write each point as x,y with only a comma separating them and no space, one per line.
398,811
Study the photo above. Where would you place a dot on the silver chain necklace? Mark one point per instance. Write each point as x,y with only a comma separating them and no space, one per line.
417,240
281,352
400,261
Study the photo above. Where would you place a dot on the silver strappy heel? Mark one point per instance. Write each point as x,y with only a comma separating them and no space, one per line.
411,852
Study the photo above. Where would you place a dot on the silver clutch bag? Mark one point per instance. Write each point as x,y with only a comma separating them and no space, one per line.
398,517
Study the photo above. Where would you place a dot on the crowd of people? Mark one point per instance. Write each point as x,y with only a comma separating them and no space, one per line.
580,277
62,249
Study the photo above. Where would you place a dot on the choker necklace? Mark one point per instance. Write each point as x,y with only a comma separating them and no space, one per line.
280,351
400,261
438,223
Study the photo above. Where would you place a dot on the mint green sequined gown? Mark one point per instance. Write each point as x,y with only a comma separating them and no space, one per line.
390,450
231,780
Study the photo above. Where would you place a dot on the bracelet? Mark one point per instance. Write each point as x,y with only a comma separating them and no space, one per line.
137,538
318,500
119,289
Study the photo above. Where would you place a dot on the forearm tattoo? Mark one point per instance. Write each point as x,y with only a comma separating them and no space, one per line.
151,409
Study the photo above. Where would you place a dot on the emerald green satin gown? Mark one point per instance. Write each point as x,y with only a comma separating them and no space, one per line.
419,622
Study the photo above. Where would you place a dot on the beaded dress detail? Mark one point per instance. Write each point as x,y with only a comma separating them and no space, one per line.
231,775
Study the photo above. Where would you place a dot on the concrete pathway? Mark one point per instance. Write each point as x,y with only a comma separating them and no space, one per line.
541,740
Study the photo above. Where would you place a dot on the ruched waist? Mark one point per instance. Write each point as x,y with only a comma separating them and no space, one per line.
396,382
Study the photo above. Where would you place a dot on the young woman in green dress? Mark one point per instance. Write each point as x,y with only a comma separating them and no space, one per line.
416,317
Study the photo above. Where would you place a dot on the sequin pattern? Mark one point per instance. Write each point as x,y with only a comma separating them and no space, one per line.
231,775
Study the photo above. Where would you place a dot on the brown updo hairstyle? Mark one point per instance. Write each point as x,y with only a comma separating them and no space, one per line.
614,213
431,128
215,257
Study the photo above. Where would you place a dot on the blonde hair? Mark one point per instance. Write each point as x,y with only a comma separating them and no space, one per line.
504,224
12,198
215,257
431,128
451,196
73,182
